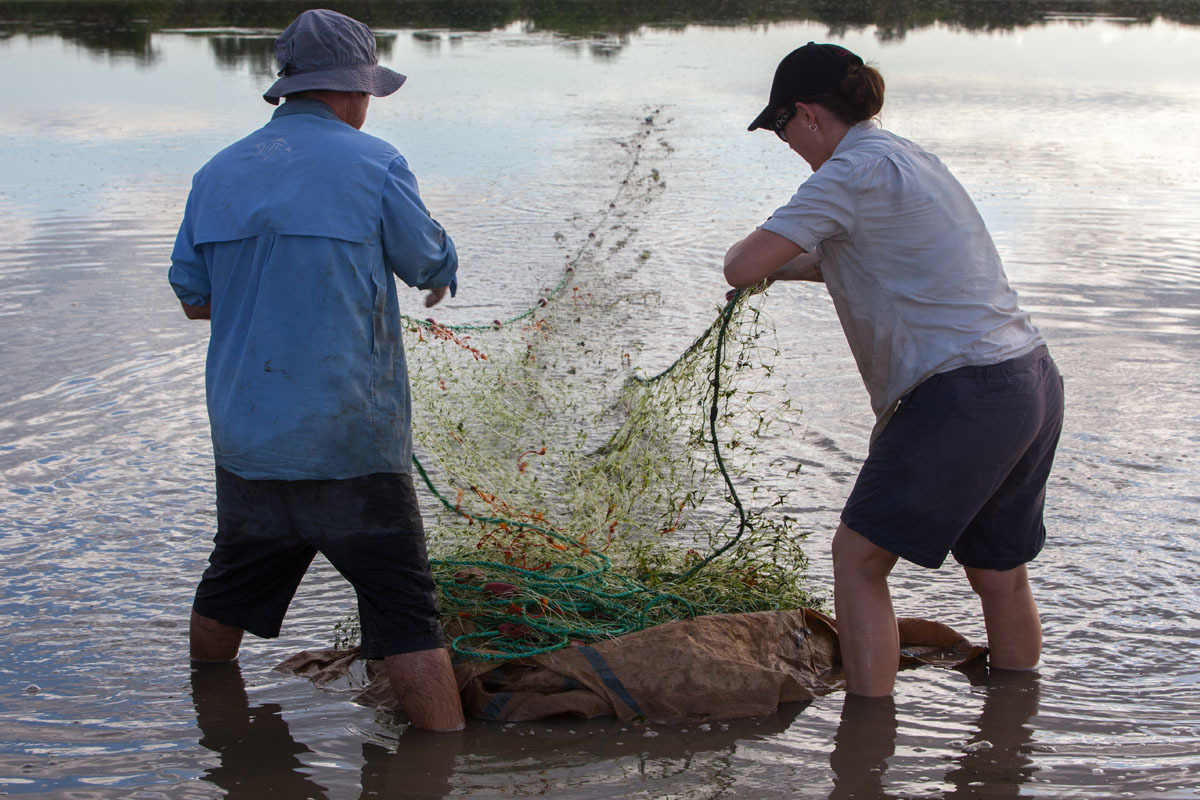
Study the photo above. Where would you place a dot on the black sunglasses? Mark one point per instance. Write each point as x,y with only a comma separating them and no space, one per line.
782,120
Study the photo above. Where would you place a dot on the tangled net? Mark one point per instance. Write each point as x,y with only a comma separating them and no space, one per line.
577,498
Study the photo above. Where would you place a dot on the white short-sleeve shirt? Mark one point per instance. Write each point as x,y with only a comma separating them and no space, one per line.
912,270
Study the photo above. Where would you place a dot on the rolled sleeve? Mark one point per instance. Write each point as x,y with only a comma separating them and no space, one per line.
416,248
189,271
822,208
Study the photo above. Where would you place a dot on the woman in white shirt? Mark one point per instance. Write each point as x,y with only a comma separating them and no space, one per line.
968,402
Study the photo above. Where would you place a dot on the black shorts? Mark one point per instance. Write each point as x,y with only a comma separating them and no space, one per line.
961,467
368,527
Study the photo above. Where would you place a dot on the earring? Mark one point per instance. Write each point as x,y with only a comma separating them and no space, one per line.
812,126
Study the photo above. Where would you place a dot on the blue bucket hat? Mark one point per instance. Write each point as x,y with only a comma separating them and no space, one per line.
323,49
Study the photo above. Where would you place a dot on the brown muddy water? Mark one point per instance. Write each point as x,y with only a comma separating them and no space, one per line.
1076,132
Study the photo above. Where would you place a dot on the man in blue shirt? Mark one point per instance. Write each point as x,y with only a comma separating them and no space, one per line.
291,243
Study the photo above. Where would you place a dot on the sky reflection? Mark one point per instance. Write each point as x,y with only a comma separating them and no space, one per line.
83,122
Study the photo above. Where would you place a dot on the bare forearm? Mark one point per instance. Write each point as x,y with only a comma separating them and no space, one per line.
758,256
197,312
804,267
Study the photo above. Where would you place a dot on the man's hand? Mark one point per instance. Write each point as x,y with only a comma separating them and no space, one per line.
435,296
197,312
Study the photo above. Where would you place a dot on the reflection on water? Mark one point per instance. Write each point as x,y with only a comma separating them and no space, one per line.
1075,133
257,756
992,758
998,755
255,749
125,28
257,53
865,740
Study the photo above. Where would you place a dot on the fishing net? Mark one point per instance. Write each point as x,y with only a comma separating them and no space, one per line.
578,499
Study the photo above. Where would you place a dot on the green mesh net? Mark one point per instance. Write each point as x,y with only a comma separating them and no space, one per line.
577,499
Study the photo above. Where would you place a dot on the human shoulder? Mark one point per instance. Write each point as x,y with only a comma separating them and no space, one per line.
333,143
866,142
368,141
329,146
869,156
338,134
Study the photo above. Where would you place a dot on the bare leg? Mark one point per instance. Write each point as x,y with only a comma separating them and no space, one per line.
870,641
212,640
425,687
1014,629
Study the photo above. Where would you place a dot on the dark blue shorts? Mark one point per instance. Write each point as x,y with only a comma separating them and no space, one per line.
961,467
368,527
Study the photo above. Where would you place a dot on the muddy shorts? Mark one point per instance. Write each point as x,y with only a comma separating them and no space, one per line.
961,467
368,527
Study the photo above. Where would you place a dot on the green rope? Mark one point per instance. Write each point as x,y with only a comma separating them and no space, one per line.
537,595
715,382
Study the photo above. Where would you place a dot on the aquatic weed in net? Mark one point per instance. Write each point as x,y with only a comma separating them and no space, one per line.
580,500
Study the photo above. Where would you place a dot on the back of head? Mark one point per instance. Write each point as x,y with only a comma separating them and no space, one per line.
828,75
859,97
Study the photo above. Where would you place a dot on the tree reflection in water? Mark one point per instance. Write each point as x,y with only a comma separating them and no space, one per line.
123,28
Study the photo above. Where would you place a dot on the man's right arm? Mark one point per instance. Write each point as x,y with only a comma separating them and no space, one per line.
416,247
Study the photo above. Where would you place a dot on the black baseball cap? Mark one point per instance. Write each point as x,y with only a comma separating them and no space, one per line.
807,71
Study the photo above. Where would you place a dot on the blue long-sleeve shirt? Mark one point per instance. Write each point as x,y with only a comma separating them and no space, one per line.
295,235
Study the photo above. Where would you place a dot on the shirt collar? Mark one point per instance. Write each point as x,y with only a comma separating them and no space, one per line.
856,132
305,105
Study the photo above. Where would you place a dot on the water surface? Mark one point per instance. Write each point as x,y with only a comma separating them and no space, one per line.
1074,131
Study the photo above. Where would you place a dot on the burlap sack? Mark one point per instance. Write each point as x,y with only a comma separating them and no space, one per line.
719,667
